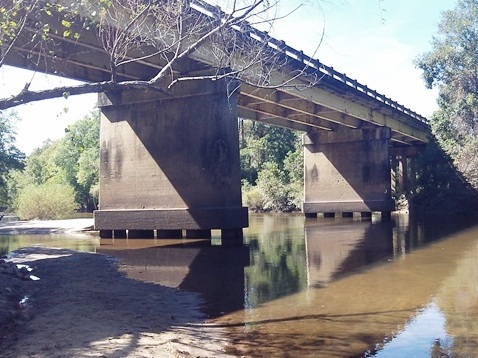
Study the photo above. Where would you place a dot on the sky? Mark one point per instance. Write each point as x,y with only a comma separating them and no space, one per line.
372,41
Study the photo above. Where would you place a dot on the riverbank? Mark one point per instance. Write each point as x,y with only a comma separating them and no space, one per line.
84,306
45,227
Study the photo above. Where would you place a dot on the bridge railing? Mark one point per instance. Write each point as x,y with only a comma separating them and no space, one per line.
306,61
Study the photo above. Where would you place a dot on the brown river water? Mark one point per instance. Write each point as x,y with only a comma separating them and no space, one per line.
343,287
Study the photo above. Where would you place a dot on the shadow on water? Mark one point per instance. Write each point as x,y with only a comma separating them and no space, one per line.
283,255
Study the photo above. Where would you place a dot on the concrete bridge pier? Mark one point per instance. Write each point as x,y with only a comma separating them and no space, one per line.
404,168
170,163
347,171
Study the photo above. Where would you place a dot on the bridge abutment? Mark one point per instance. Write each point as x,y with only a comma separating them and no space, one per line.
347,171
170,162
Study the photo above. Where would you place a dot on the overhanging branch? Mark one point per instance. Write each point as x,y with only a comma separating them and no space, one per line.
27,96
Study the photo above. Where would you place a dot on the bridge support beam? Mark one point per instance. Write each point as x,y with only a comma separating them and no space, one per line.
404,168
170,162
347,171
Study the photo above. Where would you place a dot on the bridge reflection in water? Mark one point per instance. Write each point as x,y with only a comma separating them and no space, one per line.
331,288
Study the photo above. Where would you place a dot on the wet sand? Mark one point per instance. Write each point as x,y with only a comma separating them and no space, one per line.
84,306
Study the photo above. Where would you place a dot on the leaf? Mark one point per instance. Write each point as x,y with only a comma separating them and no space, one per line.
66,94
66,23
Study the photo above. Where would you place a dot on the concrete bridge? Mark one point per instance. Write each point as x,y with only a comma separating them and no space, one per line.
170,162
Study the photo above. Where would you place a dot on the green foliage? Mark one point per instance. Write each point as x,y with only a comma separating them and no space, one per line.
45,201
273,187
13,18
261,143
252,197
10,156
72,162
278,259
271,167
452,66
78,156
41,167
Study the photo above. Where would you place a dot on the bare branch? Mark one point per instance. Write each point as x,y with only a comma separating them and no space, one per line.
26,96
172,40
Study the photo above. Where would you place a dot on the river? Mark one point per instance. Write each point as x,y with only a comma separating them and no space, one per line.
343,287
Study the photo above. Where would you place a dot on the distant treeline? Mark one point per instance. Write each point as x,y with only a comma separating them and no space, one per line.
62,176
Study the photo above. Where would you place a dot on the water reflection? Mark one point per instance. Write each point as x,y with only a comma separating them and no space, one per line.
339,287
424,336
278,258
78,242
341,246
214,271
359,289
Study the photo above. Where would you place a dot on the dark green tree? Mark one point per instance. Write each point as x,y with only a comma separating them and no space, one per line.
452,66
440,187
262,143
271,167
10,156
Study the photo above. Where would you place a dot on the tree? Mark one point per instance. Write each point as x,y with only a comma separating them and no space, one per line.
262,143
78,155
67,165
271,167
41,167
46,202
167,35
10,156
452,66
41,190
440,188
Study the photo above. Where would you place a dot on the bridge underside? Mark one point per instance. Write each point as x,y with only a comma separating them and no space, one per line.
170,164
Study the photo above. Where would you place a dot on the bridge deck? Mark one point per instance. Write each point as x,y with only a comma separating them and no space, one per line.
331,102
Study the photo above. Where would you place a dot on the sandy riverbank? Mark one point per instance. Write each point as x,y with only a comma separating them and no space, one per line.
83,306
44,227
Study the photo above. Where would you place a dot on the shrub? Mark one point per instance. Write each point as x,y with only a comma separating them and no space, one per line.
46,202
274,189
252,198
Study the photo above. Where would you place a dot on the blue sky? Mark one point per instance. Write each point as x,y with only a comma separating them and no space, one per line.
372,41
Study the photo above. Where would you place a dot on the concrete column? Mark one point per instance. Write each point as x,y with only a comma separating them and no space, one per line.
394,172
404,163
403,169
347,171
170,162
